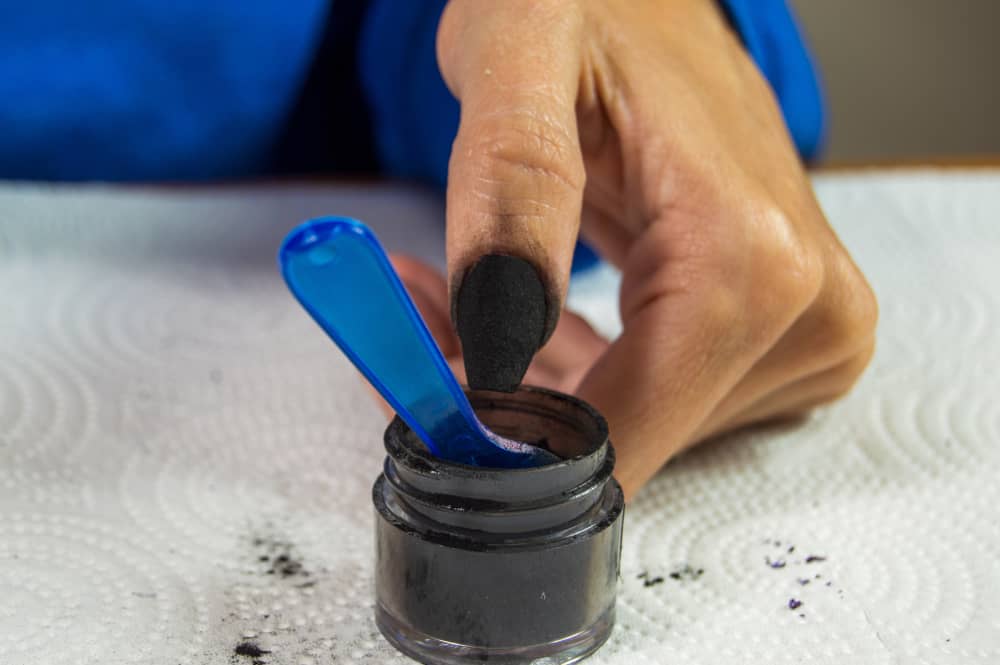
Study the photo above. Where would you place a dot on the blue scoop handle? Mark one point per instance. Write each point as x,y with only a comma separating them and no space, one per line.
340,274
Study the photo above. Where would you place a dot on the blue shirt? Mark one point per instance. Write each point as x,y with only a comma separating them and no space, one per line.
199,89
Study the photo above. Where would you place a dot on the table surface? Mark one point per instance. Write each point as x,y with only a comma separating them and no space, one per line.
939,162
186,462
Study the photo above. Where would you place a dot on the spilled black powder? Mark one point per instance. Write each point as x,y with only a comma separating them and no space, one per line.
682,573
269,552
286,566
280,557
250,650
686,572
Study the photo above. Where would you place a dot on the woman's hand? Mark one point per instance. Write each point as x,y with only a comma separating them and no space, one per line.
645,127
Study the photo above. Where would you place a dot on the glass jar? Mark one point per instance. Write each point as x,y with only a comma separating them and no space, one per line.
504,565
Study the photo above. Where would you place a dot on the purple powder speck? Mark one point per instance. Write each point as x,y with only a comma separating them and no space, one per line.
794,604
803,581
777,563
815,558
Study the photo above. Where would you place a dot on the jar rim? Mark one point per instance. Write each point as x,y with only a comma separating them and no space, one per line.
432,475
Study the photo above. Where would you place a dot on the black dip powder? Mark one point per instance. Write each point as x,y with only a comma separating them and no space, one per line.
506,566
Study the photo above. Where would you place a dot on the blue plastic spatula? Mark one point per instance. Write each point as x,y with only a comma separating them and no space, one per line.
339,272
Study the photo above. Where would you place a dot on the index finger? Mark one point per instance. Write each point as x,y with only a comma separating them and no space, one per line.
516,176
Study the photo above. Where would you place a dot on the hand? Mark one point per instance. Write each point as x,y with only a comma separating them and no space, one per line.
644,126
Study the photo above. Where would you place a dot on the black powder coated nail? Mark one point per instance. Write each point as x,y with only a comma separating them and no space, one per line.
507,566
501,314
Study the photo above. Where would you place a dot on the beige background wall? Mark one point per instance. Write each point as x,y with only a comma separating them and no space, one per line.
908,78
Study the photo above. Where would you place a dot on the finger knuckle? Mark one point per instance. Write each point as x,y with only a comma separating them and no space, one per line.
837,382
780,276
803,270
861,307
816,279
842,378
848,317
526,147
724,313
793,267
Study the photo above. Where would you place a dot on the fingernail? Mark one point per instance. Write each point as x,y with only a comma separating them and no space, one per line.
500,313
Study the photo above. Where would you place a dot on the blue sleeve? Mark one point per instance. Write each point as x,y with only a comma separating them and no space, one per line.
415,117
149,90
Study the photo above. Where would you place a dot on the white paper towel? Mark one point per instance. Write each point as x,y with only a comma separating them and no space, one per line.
186,461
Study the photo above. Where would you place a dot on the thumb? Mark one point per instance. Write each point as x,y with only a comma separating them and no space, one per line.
515,180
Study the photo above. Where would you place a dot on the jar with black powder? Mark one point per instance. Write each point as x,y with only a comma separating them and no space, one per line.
501,565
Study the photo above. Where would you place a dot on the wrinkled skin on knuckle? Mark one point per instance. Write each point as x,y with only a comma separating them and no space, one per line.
525,140
523,181
522,167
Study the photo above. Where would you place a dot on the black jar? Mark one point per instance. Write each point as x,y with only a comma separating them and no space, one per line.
500,565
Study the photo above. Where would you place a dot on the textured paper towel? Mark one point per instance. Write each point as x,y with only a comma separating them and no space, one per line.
186,461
